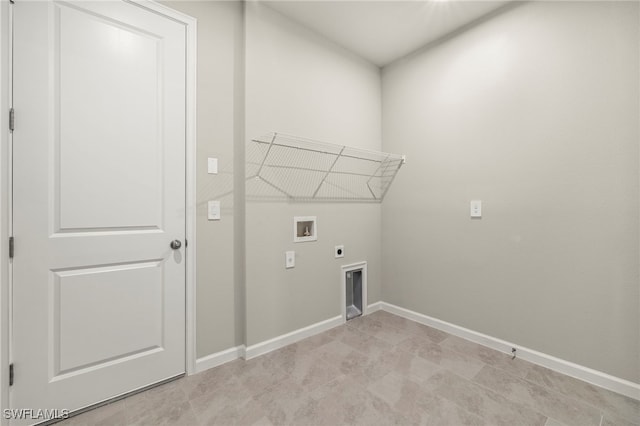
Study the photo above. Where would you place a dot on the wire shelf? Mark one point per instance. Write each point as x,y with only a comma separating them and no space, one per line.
297,169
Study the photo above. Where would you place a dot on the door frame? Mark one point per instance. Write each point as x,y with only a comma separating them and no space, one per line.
6,32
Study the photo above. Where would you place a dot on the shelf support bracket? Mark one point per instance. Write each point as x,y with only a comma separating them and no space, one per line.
273,139
275,187
374,175
400,163
328,172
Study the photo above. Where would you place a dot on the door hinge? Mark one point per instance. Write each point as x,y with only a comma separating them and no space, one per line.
10,374
11,247
12,119
186,243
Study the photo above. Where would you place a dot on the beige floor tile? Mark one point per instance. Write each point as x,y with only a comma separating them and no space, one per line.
610,402
357,406
464,365
613,420
215,381
282,401
110,414
381,330
345,359
228,411
394,389
365,343
402,363
488,356
379,369
543,400
310,372
260,373
487,404
164,404
553,422
170,413
442,412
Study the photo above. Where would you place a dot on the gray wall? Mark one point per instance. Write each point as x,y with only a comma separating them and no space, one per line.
535,112
219,305
300,84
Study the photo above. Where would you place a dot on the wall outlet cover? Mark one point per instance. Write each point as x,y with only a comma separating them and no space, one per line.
213,210
212,166
338,251
476,208
290,259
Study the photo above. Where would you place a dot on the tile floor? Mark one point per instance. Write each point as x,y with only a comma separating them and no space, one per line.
376,370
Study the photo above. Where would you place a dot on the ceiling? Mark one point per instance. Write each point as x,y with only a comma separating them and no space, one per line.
383,31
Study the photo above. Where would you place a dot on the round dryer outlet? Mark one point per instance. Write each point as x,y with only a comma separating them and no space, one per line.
339,251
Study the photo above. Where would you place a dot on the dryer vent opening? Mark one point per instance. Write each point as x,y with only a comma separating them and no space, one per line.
353,288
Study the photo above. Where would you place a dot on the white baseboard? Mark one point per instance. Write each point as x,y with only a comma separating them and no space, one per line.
292,337
219,358
598,378
586,374
228,355
374,307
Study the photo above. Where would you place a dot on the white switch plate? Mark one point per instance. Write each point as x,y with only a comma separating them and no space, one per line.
338,251
213,210
212,166
289,259
476,208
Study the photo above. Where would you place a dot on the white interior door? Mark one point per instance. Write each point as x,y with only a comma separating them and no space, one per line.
99,194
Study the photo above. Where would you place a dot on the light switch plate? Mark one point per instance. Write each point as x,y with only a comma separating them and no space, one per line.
290,259
212,166
213,210
476,208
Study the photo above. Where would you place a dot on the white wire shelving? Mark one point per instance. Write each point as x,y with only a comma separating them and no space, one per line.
288,167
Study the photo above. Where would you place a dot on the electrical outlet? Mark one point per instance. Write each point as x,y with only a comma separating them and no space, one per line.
212,166
213,210
338,251
290,259
476,208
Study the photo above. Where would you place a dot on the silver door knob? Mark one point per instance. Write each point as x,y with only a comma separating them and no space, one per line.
175,244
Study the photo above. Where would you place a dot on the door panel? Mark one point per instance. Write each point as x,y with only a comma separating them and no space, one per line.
88,334
99,193
95,129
